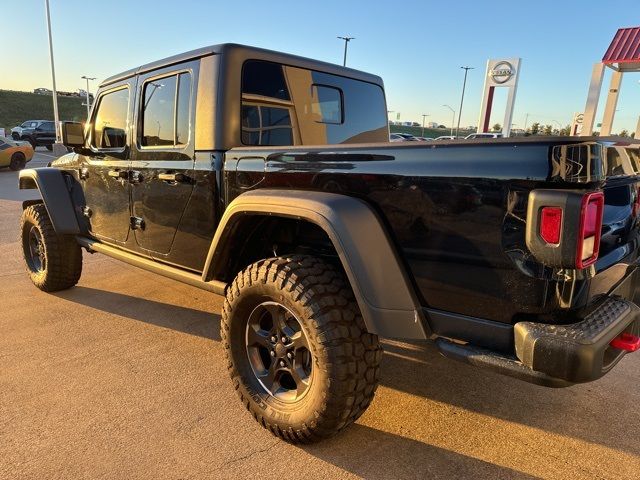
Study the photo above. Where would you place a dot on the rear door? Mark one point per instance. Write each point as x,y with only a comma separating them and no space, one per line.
162,176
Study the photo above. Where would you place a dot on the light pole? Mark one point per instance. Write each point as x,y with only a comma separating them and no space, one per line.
87,92
346,43
453,119
526,122
389,112
464,86
56,117
424,116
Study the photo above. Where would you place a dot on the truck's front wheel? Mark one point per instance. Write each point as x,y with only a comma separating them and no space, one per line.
54,262
299,354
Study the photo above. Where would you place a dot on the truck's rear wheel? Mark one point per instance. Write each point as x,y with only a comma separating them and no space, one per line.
299,354
54,262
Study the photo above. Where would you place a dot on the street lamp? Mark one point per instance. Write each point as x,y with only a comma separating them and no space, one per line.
464,86
453,119
87,92
424,115
57,146
346,43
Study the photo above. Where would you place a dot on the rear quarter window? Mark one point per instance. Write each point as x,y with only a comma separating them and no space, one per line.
285,105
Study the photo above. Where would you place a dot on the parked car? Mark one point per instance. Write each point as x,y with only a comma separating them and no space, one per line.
448,137
394,137
16,132
483,135
14,154
519,256
43,134
407,137
424,139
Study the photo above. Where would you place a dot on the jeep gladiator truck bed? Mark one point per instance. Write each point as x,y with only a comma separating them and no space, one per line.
269,178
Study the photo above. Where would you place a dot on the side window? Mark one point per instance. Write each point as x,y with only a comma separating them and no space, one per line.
183,112
267,109
110,121
165,111
285,105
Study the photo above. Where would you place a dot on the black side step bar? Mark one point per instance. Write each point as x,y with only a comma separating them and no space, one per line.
183,276
504,365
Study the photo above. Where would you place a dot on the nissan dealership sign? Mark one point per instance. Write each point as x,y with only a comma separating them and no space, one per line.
503,72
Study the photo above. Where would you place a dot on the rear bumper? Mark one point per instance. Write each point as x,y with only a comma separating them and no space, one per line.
579,352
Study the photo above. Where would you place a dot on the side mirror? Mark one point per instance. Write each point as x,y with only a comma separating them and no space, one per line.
72,134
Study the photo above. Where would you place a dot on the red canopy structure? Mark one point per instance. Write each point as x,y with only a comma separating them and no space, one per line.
624,49
623,55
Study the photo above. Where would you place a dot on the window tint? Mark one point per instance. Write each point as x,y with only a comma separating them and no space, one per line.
158,112
165,111
48,127
264,78
110,121
326,104
182,112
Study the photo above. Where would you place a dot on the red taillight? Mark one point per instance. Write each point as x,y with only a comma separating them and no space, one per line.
551,224
589,230
626,341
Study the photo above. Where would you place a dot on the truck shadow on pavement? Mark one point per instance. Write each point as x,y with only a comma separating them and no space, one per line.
165,315
371,453
418,369
596,412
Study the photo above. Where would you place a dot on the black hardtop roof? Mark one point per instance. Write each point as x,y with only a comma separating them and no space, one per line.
248,51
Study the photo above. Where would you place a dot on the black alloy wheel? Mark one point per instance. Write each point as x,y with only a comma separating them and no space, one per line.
278,351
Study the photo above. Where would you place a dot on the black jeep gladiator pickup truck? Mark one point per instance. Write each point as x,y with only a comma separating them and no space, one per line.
269,179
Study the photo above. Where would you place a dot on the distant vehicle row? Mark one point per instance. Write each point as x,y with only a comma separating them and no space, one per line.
407,137
36,132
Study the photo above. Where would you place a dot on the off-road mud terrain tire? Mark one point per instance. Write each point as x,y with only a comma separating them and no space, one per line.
60,258
345,358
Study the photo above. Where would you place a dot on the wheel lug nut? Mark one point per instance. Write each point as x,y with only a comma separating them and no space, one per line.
272,353
282,363
289,355
274,339
284,339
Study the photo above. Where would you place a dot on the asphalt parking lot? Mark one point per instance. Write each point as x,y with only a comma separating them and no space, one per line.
123,376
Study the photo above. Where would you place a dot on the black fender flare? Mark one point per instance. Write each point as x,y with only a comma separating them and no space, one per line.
377,275
55,196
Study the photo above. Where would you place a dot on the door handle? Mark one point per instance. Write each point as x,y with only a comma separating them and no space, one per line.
173,177
117,174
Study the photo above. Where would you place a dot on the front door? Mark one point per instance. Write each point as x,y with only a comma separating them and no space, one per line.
104,168
162,168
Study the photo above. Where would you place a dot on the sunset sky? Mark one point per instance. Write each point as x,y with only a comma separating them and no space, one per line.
416,46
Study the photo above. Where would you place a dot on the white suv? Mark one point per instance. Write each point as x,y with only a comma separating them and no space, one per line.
483,135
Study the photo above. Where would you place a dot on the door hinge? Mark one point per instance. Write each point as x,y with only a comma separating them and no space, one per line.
137,223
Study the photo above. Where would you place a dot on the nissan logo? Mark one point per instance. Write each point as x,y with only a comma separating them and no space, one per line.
502,72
